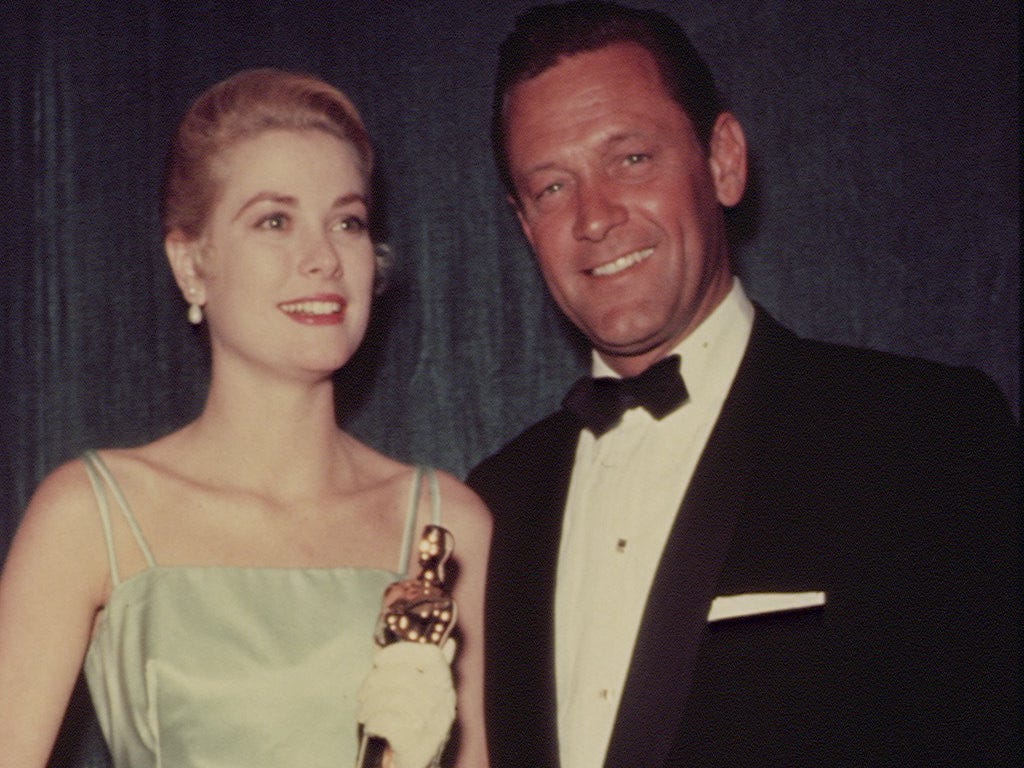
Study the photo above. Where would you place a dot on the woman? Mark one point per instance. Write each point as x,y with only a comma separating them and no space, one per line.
222,583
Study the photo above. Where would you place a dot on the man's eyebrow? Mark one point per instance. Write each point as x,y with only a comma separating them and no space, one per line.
623,136
605,143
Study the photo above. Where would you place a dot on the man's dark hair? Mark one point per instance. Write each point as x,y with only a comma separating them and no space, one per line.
546,34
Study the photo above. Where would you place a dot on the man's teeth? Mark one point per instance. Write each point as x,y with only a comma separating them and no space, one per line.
621,263
312,307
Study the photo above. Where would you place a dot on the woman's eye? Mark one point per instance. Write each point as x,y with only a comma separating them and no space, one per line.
351,224
273,221
635,158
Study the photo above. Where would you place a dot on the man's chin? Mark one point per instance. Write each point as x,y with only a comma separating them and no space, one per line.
633,358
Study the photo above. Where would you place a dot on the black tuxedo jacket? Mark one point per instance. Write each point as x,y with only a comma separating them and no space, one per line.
890,484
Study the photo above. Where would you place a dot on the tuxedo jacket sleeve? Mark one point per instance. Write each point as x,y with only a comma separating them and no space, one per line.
890,484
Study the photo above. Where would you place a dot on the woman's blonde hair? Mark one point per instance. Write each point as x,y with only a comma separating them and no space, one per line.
243,106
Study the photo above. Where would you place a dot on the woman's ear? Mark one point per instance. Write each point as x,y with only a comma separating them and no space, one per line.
183,255
728,159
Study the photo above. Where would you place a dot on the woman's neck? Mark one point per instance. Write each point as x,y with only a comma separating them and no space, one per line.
270,432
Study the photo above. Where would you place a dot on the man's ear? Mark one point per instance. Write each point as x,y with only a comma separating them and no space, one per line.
524,224
183,256
728,159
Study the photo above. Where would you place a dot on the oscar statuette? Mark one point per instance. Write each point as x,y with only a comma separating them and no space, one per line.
417,610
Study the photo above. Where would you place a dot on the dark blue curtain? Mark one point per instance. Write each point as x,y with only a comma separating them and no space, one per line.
883,209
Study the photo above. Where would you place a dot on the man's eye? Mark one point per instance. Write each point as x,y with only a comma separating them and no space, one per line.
550,189
635,158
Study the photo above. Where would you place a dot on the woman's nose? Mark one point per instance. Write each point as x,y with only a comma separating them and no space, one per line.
321,257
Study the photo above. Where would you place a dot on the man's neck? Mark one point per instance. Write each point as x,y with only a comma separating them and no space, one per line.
633,365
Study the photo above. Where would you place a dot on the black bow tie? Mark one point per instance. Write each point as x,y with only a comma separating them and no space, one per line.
599,403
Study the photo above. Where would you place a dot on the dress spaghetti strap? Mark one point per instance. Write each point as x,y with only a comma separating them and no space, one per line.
411,515
102,482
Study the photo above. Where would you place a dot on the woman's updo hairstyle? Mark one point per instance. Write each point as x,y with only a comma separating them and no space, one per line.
241,107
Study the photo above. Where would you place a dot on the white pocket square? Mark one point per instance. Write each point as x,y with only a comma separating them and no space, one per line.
754,603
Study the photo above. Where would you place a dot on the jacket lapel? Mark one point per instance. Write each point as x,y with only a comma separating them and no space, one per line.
675,617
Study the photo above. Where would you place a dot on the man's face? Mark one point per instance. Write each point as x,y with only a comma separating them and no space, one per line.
619,201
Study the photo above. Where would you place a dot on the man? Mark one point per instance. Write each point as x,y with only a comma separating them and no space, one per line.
801,554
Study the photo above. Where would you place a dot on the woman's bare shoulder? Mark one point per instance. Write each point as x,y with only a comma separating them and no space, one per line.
66,492
60,534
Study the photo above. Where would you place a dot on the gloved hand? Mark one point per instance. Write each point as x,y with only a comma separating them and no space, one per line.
408,698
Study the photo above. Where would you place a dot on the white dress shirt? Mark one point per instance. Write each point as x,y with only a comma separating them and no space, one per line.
625,491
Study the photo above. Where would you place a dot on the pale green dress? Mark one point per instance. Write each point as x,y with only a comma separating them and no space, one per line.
229,666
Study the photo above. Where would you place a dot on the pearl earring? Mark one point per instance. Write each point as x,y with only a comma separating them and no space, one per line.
195,311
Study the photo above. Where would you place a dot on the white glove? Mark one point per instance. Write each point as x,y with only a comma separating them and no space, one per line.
408,698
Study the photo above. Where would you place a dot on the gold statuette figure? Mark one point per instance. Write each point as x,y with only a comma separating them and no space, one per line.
417,610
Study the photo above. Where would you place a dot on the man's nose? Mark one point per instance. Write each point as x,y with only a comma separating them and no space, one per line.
598,210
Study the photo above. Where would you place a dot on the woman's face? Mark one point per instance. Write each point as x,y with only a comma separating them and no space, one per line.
285,265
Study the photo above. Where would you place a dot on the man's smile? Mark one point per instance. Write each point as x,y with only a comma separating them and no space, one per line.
623,262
